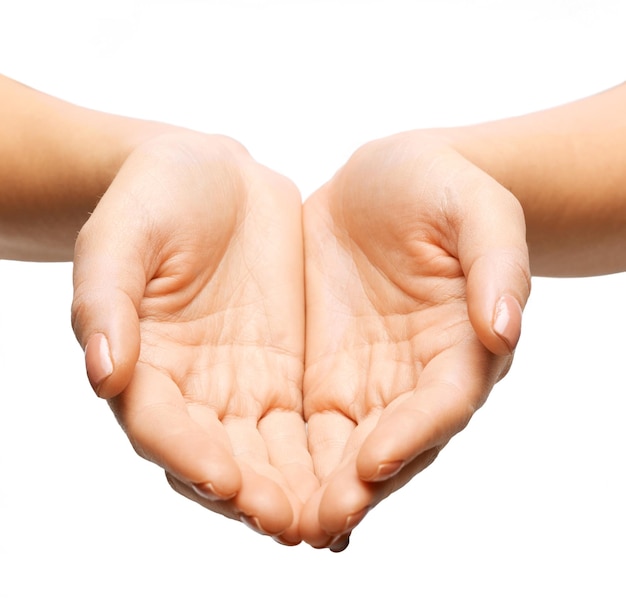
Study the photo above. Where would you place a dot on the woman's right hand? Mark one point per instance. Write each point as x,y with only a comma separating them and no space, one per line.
189,303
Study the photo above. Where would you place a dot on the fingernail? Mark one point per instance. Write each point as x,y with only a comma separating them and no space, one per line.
253,523
340,543
507,321
387,470
353,520
98,360
283,541
207,491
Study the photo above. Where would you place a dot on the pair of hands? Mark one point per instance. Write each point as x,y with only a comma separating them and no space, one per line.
292,364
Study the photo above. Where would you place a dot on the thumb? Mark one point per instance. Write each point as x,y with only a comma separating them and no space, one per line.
494,257
109,282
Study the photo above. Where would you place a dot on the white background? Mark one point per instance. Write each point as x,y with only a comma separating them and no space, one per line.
528,502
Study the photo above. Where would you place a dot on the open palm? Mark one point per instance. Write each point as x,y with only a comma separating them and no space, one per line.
394,365
191,266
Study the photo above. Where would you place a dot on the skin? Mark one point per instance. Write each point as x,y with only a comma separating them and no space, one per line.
397,246
410,250
565,165
57,160
193,267
188,300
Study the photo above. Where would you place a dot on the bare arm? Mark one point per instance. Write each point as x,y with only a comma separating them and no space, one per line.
161,222
417,270
567,167
56,161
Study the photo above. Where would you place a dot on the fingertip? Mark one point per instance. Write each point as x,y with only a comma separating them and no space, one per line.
263,505
109,372
507,321
106,325
369,471
285,541
209,491
309,526
208,469
98,361
254,523
340,543
386,450
499,326
497,291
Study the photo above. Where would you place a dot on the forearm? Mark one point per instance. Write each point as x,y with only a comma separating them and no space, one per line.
567,167
56,161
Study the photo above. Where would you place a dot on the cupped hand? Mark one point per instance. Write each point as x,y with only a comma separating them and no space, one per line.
416,275
189,302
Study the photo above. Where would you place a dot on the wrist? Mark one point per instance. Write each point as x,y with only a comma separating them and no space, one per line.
56,161
565,167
